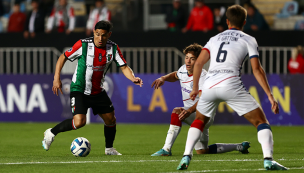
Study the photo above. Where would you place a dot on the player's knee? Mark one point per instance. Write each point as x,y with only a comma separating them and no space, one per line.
176,110
110,121
80,122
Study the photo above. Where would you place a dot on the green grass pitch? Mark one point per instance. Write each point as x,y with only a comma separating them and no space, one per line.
21,150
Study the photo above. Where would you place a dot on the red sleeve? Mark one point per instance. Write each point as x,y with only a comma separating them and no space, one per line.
74,52
9,27
109,14
209,19
72,12
190,21
206,50
52,13
119,59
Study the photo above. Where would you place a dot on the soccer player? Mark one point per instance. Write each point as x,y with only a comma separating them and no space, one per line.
94,55
187,113
227,52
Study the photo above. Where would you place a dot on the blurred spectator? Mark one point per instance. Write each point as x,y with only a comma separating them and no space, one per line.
46,6
62,17
34,21
16,20
219,19
176,16
100,12
296,62
1,8
200,19
255,20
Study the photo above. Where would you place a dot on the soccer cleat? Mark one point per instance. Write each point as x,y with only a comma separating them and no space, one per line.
111,151
245,146
273,165
162,152
48,139
184,163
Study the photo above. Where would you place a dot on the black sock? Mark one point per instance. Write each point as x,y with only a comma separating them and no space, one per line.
109,133
268,158
64,126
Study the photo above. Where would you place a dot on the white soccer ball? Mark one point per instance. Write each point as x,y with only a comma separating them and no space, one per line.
80,147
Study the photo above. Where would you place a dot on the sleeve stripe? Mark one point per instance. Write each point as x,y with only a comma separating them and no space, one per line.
206,50
254,56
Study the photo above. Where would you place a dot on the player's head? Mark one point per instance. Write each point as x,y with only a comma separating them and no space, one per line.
236,16
102,33
191,54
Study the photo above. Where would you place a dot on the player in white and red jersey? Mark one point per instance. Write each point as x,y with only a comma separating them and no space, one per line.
187,113
227,52
94,57
62,18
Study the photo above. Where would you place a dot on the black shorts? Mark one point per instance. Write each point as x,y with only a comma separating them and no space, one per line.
100,103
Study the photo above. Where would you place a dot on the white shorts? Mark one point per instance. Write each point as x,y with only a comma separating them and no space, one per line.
237,98
202,143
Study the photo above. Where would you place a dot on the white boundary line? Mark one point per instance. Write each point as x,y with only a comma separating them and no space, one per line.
120,161
230,170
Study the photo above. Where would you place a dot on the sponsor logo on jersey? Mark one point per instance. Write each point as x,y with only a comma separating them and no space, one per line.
99,68
100,57
221,71
70,49
185,89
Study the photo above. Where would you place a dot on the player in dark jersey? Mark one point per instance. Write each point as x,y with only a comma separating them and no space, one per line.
94,57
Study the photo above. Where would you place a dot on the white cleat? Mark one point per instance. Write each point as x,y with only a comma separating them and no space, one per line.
111,151
48,139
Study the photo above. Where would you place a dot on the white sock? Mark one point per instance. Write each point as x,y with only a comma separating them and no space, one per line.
223,148
266,141
171,136
193,136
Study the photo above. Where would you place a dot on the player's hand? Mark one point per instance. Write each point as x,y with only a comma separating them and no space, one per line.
184,114
138,81
57,85
158,83
193,94
274,104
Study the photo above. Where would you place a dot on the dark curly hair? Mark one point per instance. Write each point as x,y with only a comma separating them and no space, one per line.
194,49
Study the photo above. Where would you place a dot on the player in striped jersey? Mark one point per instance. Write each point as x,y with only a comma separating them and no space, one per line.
94,57
187,113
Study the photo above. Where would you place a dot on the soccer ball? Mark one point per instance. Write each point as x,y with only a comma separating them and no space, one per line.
80,147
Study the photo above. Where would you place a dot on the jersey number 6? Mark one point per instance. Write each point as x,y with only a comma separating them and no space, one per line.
220,51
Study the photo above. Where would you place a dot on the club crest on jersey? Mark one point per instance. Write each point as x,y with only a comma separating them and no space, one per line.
70,49
109,56
100,57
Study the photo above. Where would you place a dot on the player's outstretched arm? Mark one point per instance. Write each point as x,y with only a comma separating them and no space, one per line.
202,59
128,72
171,77
57,82
260,76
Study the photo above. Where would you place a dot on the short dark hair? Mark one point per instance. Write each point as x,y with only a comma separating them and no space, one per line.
236,15
105,25
194,49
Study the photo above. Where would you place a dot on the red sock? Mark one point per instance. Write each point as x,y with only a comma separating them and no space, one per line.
198,124
175,120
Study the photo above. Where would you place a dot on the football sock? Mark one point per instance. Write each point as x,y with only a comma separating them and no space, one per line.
223,148
171,136
64,126
174,129
109,133
266,140
194,134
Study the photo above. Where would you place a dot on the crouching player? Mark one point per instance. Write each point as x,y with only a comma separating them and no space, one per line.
187,113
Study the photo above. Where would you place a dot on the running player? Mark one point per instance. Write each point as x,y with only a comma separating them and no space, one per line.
187,113
227,52
94,55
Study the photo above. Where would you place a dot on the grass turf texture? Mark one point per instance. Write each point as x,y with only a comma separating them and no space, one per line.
21,142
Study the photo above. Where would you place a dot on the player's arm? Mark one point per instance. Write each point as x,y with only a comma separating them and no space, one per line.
260,76
171,77
57,82
186,113
128,72
202,59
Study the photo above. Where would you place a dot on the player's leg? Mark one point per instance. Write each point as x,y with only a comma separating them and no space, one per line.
245,105
265,137
174,129
109,132
78,120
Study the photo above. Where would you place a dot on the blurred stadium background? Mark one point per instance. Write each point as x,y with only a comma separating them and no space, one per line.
151,50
